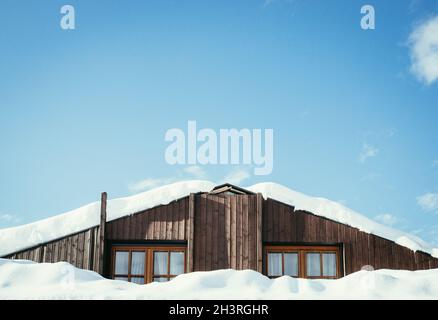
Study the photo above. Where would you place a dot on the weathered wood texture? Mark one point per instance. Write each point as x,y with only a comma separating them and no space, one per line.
169,222
283,224
102,232
77,249
226,232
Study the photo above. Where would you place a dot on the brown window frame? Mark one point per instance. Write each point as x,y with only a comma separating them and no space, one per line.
302,261
149,260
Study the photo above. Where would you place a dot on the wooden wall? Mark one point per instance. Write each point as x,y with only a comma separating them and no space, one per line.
281,224
227,232
168,222
80,249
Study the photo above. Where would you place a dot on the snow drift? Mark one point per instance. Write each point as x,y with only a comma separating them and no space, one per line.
26,236
20,279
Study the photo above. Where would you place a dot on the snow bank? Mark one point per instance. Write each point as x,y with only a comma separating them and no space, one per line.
26,236
21,279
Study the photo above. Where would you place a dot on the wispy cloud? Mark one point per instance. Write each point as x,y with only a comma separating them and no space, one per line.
428,202
149,183
192,172
267,3
9,218
428,233
387,219
435,164
423,44
367,151
237,176
196,171
381,133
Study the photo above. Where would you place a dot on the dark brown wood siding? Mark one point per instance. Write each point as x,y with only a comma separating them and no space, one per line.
169,222
77,249
226,232
283,224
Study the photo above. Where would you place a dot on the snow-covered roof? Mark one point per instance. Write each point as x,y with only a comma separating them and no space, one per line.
30,235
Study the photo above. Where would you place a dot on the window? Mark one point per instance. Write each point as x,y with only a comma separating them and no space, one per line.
282,263
167,265
147,264
303,262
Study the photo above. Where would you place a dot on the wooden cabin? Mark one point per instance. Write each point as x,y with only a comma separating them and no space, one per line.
229,227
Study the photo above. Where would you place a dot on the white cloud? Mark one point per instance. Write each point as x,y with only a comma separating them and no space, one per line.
149,183
381,133
192,172
9,218
387,219
196,171
368,151
6,217
237,177
423,43
428,232
428,202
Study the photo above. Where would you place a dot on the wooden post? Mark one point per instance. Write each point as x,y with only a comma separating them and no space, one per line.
259,232
191,233
102,232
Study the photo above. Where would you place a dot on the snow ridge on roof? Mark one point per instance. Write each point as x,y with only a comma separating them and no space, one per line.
30,235
337,212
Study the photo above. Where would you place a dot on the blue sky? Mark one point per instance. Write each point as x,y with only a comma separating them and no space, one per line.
86,110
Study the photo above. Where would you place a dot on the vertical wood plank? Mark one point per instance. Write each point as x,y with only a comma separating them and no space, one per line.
228,230
222,240
233,210
260,215
86,257
215,232
245,232
186,227
191,232
169,217
204,227
103,204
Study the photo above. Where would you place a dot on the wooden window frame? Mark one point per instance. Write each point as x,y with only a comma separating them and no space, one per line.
149,260
302,261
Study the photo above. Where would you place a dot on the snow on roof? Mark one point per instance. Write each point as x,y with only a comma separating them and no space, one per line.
337,212
30,235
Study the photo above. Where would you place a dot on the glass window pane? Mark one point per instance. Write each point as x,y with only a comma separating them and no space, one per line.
122,259
137,280
329,264
157,279
313,264
121,278
176,263
291,264
137,263
160,263
274,265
